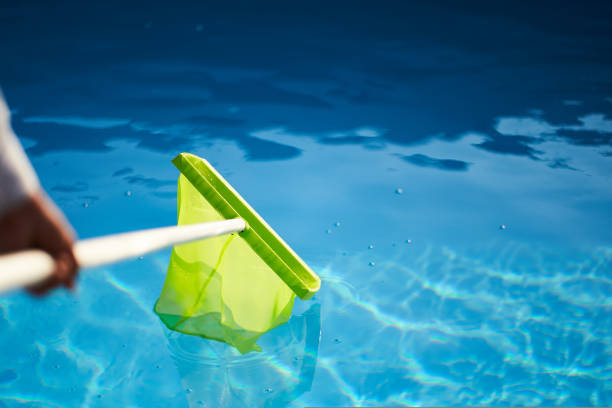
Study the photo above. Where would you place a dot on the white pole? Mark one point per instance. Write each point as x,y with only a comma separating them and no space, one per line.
25,268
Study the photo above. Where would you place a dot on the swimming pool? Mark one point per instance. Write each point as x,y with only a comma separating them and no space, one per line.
445,170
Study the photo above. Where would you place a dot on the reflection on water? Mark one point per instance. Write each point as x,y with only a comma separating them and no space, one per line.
214,374
505,326
419,73
501,325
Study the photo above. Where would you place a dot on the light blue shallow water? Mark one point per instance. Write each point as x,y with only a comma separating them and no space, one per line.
452,189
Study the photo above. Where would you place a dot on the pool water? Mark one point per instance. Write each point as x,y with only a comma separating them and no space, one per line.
445,169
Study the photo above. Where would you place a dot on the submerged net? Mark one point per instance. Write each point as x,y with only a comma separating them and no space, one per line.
219,288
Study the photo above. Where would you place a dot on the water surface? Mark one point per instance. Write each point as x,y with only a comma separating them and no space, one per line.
445,169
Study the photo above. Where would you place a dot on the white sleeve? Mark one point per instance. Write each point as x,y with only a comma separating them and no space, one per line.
17,177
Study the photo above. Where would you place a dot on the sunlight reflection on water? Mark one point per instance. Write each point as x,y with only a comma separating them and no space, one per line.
505,325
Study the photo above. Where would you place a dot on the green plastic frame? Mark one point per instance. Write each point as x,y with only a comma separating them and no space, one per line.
258,234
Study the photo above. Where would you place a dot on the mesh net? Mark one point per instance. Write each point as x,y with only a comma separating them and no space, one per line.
219,288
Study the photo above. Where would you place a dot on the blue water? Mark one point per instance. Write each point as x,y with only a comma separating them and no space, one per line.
446,169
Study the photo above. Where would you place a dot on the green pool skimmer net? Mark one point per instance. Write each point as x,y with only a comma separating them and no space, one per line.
231,288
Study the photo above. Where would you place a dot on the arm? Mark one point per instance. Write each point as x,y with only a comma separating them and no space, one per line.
18,180
28,219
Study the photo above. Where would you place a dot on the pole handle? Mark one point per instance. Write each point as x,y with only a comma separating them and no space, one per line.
25,268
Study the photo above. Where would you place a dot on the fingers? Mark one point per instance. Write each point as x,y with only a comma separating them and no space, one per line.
67,268
41,289
52,235
64,274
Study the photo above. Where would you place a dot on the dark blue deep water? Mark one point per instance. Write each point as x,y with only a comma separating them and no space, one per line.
444,166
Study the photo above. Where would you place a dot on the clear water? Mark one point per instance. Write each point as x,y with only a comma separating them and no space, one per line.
446,170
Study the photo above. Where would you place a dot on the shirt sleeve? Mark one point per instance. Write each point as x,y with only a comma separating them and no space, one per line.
17,177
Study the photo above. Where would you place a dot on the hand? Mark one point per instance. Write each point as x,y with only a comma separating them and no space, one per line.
37,223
